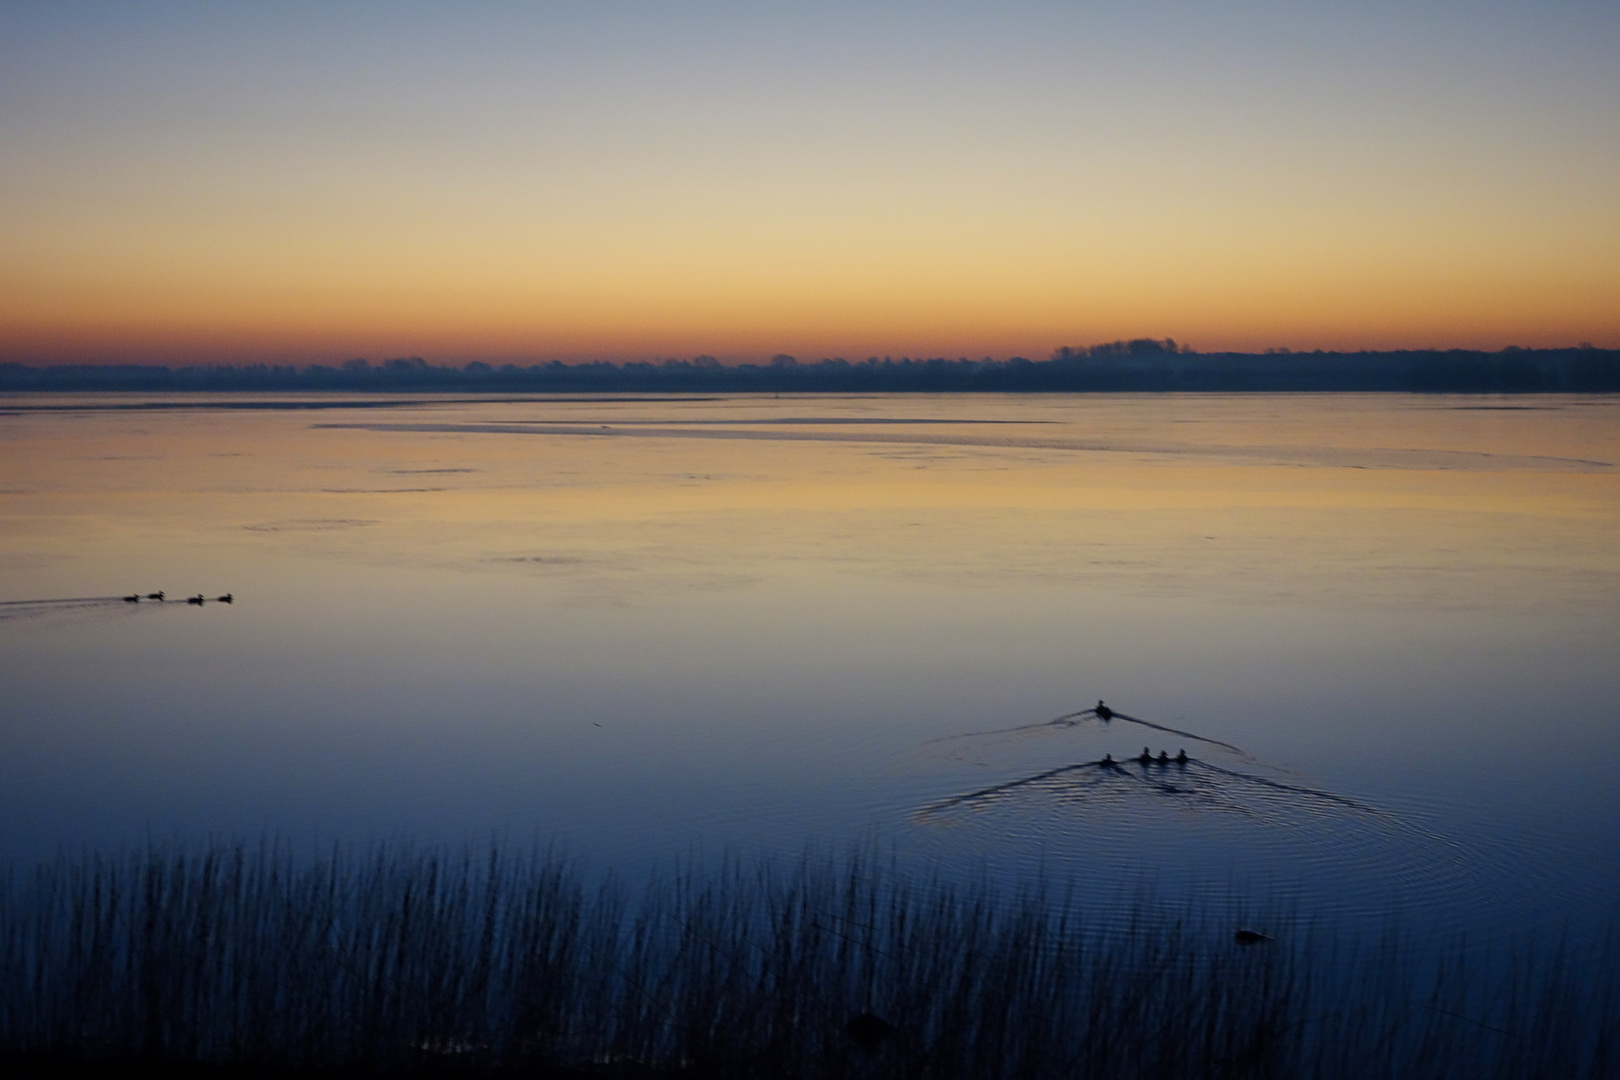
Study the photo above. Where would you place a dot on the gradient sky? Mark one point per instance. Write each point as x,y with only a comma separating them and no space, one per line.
194,182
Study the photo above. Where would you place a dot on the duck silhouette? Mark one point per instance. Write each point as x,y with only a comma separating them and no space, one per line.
1103,711
133,599
868,1030
199,599
155,595
1164,757
1147,756
224,599
1181,758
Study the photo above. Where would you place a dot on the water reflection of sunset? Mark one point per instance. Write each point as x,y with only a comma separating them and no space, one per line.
1131,488
636,624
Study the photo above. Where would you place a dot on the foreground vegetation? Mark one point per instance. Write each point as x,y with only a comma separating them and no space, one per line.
244,961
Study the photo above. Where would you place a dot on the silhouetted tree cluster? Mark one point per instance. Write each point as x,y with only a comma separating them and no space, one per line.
1137,347
1144,364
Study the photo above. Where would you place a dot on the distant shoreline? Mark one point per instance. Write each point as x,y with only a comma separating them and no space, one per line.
1140,366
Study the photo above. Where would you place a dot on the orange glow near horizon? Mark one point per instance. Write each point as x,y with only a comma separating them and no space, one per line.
487,308
553,185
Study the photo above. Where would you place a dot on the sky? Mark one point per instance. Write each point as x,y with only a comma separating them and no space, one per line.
306,183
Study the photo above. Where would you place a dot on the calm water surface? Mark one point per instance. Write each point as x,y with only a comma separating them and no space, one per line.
659,629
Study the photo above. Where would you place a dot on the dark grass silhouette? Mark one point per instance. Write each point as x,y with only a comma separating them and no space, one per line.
244,961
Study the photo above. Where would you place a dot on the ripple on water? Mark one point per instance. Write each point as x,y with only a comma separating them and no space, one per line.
1254,839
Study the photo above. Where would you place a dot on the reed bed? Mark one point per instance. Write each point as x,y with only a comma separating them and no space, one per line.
396,961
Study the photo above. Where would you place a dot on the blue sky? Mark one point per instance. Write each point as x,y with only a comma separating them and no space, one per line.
312,180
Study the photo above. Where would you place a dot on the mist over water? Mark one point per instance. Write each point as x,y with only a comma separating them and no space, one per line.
660,629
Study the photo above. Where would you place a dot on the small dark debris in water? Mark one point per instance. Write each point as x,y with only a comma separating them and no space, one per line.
868,1030
444,1047
1250,937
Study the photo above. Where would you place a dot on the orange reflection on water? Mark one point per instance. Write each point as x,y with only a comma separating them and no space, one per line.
1369,497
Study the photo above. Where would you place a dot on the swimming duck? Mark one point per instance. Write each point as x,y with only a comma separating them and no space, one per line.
1164,757
224,599
1103,711
198,599
155,595
135,599
1107,762
1181,758
1147,756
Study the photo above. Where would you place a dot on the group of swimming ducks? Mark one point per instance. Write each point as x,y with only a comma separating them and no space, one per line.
1103,712
1146,758
199,599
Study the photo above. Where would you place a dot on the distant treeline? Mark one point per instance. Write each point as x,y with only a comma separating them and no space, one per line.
1142,365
